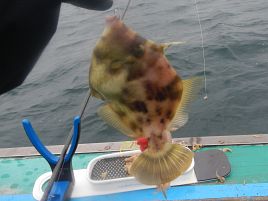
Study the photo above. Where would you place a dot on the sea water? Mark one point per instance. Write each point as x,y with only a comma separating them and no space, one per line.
236,50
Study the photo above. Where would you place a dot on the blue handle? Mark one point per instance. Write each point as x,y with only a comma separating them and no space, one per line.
59,191
74,139
52,159
64,184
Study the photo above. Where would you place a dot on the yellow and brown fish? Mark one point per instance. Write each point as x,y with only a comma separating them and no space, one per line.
144,98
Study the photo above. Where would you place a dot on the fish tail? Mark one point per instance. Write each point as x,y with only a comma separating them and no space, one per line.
155,168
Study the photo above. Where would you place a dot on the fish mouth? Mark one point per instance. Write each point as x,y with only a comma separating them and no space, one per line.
111,19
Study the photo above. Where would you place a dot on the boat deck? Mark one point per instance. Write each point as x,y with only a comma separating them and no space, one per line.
248,177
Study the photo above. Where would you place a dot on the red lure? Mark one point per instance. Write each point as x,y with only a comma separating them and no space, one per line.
143,142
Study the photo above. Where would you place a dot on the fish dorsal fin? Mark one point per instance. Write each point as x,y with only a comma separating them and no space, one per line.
165,46
169,44
191,88
114,118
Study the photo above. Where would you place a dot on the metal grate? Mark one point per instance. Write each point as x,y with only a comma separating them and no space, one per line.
109,168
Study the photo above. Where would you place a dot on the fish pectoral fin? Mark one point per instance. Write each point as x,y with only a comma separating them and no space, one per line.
96,94
168,44
113,118
191,88
163,166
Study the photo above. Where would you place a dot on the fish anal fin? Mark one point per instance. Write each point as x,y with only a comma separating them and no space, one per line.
114,119
191,89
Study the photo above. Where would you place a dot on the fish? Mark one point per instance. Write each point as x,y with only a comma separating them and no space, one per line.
144,97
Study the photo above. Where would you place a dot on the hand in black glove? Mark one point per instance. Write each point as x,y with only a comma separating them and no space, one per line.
25,29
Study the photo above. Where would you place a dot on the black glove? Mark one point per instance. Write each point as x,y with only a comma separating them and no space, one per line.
25,29
92,4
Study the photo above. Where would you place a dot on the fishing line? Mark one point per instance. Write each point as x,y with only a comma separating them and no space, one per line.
58,168
81,113
203,50
117,12
125,11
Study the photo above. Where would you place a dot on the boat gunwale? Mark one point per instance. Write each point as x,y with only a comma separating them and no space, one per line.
253,139
251,198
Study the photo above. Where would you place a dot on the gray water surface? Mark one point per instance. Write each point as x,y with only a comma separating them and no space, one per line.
236,50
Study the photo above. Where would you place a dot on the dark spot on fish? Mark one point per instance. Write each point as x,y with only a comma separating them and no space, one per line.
158,110
133,126
148,120
99,54
139,40
114,71
138,106
162,120
169,114
135,70
115,67
175,95
135,46
121,113
125,91
149,89
159,67
137,51
125,95
160,95
172,90
175,80
140,120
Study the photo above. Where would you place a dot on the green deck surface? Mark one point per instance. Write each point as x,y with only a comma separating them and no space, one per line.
17,175
248,163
